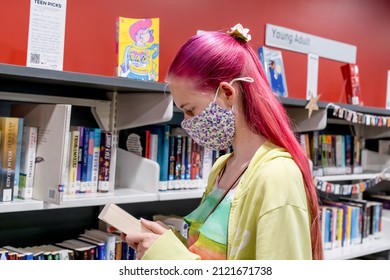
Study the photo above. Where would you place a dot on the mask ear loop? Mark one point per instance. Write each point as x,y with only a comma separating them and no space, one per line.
245,79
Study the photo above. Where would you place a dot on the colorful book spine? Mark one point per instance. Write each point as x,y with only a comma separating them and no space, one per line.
8,147
95,160
18,157
84,166
27,167
105,162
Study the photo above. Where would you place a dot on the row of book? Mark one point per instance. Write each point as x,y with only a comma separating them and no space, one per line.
93,244
43,157
183,163
333,154
350,221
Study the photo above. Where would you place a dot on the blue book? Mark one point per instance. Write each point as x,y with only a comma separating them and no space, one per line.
100,247
87,157
95,159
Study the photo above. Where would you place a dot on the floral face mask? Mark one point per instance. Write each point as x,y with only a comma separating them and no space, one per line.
214,127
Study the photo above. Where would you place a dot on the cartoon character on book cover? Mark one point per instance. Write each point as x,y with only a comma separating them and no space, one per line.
272,62
138,48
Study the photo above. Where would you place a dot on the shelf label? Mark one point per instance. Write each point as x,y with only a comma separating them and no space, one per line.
297,41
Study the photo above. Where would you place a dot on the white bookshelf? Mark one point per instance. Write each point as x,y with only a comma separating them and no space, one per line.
19,205
120,196
349,177
180,194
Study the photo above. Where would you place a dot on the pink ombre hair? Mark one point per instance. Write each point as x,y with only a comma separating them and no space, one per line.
215,57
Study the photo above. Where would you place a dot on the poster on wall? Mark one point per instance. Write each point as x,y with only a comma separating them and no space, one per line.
312,75
46,34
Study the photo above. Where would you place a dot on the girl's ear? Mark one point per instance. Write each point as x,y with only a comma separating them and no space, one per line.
227,93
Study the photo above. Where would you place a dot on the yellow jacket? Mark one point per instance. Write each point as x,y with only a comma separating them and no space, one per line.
269,218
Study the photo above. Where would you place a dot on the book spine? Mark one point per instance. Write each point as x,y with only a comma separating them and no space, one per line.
80,158
73,161
188,158
62,185
84,165
95,160
154,139
179,154
164,165
105,162
29,147
172,159
9,138
18,157
91,140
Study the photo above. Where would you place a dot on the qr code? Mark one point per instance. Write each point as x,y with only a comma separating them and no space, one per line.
35,58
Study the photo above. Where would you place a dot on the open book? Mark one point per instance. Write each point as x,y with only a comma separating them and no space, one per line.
115,216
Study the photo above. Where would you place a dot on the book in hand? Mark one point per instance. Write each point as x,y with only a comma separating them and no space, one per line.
123,221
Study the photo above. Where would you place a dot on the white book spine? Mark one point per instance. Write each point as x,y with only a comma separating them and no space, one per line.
27,165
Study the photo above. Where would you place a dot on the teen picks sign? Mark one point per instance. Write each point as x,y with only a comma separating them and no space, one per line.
293,40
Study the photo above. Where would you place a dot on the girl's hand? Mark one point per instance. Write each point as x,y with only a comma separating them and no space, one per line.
143,241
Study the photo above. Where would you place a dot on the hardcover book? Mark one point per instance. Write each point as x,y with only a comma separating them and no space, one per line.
272,62
8,149
136,141
18,158
29,148
137,47
352,83
105,162
73,182
53,122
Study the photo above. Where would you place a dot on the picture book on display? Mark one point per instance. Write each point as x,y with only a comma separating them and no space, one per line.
137,48
350,74
272,62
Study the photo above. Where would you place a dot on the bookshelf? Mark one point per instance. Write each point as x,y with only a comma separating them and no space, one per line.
370,247
119,103
115,103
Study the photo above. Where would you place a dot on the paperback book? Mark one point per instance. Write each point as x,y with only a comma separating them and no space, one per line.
137,47
8,149
272,62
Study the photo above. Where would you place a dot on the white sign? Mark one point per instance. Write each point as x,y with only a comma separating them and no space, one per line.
312,76
293,40
388,91
46,34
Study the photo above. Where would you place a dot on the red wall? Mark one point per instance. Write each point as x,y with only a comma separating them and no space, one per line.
90,34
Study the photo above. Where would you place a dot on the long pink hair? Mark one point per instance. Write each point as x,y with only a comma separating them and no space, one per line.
214,57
